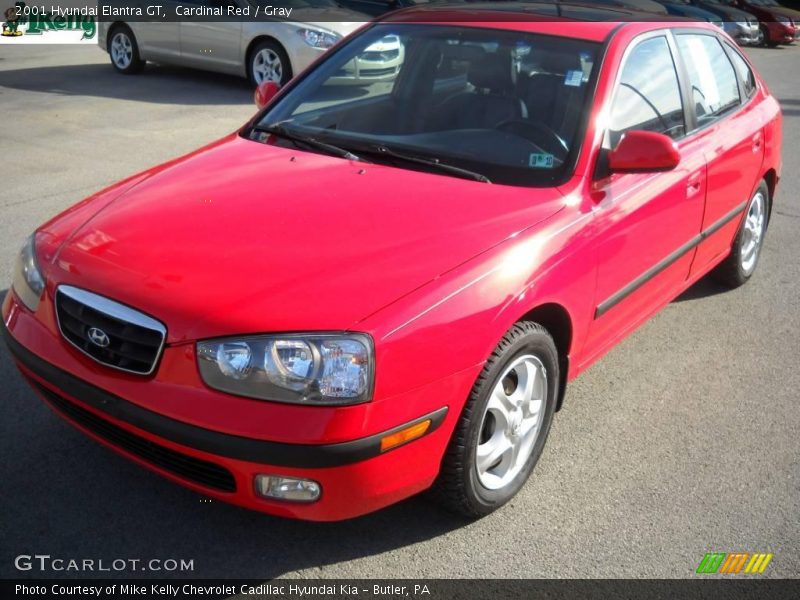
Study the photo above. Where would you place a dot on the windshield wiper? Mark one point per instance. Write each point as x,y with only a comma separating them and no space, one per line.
433,163
298,138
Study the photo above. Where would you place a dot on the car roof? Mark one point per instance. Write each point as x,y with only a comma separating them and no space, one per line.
581,21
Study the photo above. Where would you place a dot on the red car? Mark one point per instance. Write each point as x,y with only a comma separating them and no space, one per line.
368,292
778,23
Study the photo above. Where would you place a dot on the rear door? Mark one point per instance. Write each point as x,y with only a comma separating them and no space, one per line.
726,124
159,40
649,221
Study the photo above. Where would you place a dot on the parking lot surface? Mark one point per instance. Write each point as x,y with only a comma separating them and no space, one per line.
682,441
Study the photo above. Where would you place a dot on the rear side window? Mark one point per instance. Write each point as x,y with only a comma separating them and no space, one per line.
648,96
715,89
744,70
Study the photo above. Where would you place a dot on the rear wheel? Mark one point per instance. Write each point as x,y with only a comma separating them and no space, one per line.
503,428
740,265
124,51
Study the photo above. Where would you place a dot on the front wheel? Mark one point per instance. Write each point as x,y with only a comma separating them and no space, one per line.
124,51
268,62
739,266
504,425
765,36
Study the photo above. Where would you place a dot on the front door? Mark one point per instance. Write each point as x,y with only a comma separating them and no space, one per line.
648,221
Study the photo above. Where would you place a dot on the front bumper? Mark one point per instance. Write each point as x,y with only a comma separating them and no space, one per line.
780,33
365,72
356,478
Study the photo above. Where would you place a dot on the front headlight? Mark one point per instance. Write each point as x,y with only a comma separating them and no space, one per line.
318,39
784,20
316,369
28,281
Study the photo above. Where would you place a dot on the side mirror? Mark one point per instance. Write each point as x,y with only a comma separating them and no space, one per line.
644,152
265,92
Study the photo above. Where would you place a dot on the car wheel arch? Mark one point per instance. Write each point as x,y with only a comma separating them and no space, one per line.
556,319
251,45
771,177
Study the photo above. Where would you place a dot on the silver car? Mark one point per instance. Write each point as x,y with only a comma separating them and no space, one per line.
260,51
746,32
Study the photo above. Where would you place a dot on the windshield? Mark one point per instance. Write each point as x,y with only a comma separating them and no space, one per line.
505,105
765,3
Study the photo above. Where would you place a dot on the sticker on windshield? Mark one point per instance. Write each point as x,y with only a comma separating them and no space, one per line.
540,161
573,78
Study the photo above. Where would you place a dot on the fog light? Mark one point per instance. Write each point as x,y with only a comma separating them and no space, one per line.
277,487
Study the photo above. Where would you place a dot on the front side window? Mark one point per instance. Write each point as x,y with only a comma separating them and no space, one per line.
504,104
715,90
648,95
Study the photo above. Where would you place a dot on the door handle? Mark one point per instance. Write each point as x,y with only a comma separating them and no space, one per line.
758,139
694,184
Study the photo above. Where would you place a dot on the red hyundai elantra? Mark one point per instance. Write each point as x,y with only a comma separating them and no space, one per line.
371,291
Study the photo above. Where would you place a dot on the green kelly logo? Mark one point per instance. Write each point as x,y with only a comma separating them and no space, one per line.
39,22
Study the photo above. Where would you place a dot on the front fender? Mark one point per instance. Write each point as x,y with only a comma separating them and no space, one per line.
455,322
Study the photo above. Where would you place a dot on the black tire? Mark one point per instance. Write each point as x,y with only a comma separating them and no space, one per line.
458,486
273,47
767,41
129,64
735,270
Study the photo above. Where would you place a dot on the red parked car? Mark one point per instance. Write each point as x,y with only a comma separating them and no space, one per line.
779,24
368,292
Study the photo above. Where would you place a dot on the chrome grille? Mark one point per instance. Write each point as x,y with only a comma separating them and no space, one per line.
109,332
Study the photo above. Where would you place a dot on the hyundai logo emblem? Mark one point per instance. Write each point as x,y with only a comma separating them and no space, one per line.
98,337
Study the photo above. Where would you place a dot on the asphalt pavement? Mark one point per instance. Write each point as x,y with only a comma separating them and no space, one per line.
682,441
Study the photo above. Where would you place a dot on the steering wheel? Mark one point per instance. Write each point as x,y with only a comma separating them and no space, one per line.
532,131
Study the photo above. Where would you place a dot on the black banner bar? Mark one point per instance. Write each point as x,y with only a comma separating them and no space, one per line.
745,588
42,14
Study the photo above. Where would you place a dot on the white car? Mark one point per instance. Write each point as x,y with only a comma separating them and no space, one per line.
378,62
260,51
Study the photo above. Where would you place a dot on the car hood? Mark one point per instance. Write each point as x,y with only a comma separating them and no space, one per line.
244,237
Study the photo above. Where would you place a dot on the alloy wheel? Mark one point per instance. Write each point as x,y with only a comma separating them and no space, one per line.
121,50
511,422
267,66
753,233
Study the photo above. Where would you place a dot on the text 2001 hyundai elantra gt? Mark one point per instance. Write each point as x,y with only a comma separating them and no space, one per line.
360,296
